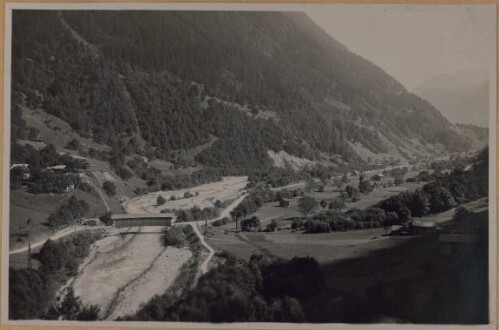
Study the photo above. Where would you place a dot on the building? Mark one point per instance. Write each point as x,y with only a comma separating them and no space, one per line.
22,169
146,219
283,203
57,169
420,227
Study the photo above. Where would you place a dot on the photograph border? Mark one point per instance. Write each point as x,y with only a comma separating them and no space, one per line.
6,13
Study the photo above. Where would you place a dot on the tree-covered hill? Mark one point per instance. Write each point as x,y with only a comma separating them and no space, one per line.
178,78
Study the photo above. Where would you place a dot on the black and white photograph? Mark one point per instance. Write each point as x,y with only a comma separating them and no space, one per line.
249,165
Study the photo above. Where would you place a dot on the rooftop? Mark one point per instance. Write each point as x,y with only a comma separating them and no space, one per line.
57,167
142,215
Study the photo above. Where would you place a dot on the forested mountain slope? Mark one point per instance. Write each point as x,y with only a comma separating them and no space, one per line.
256,81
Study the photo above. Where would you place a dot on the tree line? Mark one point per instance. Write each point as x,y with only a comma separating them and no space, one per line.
260,290
32,292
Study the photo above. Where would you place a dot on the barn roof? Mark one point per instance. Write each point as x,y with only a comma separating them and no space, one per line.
141,215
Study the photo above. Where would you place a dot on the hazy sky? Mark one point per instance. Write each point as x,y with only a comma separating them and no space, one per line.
413,43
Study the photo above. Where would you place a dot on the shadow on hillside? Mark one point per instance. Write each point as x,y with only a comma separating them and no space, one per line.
419,280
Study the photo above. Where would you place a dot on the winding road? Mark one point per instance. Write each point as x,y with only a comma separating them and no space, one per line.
203,268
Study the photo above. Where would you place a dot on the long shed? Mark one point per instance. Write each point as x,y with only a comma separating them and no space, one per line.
145,219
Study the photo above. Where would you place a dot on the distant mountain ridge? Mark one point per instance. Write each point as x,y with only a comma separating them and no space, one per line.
177,79
462,97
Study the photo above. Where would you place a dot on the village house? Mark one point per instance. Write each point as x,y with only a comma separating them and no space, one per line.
61,169
283,203
22,168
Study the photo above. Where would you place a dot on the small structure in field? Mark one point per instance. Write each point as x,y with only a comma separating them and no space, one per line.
420,227
57,169
283,203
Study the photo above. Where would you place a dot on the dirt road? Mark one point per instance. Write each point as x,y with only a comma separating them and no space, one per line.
58,235
203,268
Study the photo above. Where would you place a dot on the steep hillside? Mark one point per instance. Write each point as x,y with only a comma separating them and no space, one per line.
177,80
479,135
462,97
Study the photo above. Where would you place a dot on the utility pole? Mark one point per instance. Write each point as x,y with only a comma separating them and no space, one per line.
29,255
205,227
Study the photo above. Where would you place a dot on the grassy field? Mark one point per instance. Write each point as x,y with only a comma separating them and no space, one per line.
327,247
38,207
272,210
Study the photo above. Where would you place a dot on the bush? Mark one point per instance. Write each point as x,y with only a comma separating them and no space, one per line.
174,236
307,204
250,224
272,226
106,218
68,213
317,226
160,200
124,173
109,188
221,222
297,224
74,144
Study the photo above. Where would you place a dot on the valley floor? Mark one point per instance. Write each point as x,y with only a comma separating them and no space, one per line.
207,195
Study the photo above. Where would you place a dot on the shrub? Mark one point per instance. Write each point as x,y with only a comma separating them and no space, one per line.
175,237
109,188
297,224
124,173
160,200
317,226
106,219
221,222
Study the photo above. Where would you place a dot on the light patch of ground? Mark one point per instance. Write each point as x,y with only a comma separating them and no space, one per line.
228,188
284,160
103,176
155,280
118,261
337,104
262,114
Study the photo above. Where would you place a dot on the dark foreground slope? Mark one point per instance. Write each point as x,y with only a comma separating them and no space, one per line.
259,81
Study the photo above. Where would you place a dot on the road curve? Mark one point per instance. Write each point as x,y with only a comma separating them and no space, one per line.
225,213
204,266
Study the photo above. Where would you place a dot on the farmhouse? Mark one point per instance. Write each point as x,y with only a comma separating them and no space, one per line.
146,219
420,227
57,168
283,203
23,169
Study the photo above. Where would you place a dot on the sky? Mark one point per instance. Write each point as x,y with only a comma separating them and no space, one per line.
414,43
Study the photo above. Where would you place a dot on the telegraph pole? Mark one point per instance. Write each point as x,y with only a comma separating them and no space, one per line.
29,255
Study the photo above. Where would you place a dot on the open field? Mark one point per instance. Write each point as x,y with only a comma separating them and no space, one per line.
229,188
325,247
125,273
272,210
